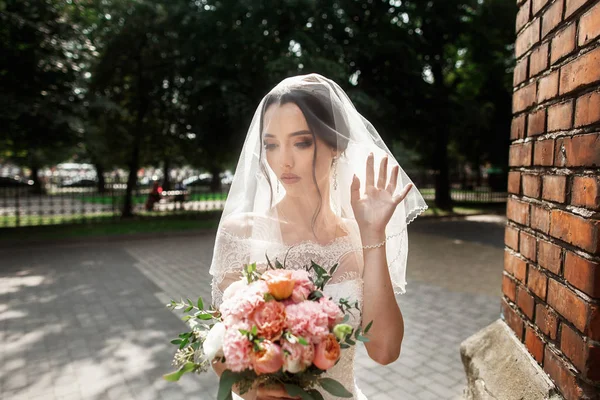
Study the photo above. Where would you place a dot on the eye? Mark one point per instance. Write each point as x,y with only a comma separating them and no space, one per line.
304,144
270,146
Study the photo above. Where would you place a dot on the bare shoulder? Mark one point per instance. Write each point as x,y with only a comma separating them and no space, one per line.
243,224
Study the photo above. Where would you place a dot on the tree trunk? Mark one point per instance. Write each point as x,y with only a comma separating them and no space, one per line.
166,174
35,177
442,179
101,181
215,183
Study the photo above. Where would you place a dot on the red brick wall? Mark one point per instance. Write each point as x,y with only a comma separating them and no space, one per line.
551,280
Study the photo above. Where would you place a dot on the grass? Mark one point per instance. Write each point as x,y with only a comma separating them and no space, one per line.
112,227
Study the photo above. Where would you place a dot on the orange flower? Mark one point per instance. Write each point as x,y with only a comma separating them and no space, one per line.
269,319
280,283
268,359
327,352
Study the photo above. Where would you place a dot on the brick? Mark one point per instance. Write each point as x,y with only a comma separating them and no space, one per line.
562,376
586,192
560,116
554,188
573,5
573,229
587,109
517,128
528,246
514,182
550,256
567,304
573,346
511,237
520,72
548,87
525,302
539,219
515,266
519,154
537,5
509,287
583,274
517,211
512,319
593,331
527,38
538,61
536,123
534,344
523,16
563,43
537,282
532,185
552,17
524,98
582,71
589,26
543,153
578,151
546,320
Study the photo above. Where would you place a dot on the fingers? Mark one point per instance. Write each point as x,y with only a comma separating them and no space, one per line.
382,180
355,189
369,180
398,199
391,187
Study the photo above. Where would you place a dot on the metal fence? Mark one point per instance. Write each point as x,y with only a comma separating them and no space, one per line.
20,206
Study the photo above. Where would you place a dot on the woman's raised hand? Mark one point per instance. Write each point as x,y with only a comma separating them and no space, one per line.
374,210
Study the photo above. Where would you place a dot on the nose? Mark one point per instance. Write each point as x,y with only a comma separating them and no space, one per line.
287,158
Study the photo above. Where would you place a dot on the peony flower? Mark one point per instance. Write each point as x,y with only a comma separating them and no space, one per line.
307,320
303,286
268,359
280,283
269,319
243,303
213,343
327,352
332,310
234,288
237,349
297,357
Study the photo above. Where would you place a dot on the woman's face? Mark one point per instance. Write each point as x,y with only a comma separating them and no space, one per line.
289,147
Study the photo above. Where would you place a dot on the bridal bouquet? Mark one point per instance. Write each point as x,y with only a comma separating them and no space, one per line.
272,328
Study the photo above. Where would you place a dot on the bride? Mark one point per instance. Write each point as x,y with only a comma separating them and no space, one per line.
305,188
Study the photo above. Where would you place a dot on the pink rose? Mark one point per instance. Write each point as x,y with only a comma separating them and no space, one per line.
243,303
237,349
307,320
269,318
327,352
332,310
303,286
280,283
268,359
297,357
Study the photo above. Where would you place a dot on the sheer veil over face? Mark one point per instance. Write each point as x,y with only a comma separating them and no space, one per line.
292,181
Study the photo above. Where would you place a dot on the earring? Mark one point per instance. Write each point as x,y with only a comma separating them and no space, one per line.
335,173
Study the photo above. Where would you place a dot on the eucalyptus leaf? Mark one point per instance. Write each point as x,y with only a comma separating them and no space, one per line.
295,390
363,339
316,394
228,379
334,387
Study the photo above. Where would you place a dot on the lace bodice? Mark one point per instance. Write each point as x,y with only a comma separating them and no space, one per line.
232,252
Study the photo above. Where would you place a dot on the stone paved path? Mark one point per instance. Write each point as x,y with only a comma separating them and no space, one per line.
87,321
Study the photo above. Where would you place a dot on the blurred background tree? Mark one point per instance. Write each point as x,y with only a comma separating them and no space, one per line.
129,83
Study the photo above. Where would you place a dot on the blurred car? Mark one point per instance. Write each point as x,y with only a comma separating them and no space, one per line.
9,182
79,183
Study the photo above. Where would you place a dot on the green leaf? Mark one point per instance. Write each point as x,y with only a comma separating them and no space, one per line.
346,318
368,327
278,264
254,330
204,317
200,303
302,341
176,341
362,338
333,269
316,394
228,379
174,376
334,387
315,295
350,341
269,262
344,346
295,390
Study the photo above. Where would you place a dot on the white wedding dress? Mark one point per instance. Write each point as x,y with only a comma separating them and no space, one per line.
234,251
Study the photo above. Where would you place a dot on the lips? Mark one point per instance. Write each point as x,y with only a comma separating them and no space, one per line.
289,178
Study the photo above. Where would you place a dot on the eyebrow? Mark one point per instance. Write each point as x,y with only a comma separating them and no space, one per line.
299,133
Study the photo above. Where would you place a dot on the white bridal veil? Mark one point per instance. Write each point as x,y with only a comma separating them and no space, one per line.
251,222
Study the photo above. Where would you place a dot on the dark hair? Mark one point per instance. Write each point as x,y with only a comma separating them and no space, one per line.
317,109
